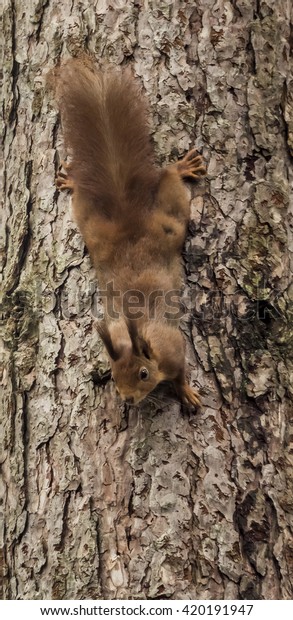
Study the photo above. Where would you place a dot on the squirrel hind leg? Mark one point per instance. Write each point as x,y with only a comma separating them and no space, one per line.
63,181
192,166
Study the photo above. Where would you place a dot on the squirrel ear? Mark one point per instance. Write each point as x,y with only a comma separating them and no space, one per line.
104,334
134,337
139,345
146,349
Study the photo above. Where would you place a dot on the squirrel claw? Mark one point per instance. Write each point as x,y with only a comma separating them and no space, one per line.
62,181
190,396
65,165
192,165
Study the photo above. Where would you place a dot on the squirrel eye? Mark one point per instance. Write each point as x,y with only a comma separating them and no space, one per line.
144,374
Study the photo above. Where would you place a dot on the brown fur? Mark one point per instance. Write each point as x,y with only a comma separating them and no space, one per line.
133,219
112,157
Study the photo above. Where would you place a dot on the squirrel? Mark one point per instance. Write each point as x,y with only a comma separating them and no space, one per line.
133,218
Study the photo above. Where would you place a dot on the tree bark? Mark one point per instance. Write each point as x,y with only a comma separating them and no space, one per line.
101,501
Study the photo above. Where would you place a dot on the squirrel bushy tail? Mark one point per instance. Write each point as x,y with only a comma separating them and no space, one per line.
104,122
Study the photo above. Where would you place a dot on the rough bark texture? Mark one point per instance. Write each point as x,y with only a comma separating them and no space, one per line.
103,502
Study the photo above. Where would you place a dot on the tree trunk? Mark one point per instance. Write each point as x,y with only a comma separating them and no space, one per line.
101,501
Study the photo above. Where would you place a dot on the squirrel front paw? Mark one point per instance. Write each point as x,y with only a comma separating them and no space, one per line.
191,166
190,396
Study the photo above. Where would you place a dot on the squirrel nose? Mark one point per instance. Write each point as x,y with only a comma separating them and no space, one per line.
129,400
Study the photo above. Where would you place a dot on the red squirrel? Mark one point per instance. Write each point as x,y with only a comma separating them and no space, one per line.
133,218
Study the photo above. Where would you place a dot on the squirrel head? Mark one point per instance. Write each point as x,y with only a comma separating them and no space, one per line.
134,367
